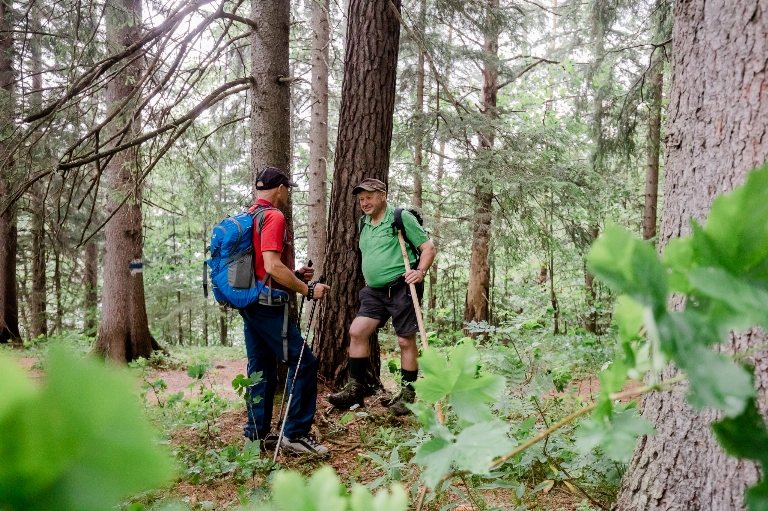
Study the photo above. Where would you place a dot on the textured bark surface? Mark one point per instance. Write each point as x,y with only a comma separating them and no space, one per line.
91,282
476,308
318,136
653,149
270,97
717,131
39,320
9,305
362,150
124,332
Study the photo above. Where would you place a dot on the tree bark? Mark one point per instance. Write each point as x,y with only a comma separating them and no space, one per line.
418,151
9,304
362,150
653,148
39,323
476,308
590,325
318,136
124,331
717,131
91,286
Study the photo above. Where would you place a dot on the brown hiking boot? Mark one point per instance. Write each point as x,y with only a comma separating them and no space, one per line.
397,404
352,394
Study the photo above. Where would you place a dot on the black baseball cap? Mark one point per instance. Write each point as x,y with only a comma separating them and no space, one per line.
370,185
270,178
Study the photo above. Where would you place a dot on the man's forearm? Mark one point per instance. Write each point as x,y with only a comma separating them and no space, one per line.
427,257
285,277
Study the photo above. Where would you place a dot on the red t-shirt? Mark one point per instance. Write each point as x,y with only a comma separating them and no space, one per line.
274,237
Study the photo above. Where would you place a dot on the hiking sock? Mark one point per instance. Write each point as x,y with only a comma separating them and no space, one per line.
357,368
408,377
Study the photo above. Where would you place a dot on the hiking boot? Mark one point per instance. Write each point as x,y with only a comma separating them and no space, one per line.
353,393
269,443
397,404
303,445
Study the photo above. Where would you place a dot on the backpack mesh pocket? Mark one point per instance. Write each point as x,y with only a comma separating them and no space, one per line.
240,271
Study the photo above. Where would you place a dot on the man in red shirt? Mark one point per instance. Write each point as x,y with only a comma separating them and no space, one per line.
268,333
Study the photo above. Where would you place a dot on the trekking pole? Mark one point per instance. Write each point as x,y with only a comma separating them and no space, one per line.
298,323
296,374
417,307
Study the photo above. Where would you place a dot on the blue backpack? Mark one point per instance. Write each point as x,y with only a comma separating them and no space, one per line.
231,263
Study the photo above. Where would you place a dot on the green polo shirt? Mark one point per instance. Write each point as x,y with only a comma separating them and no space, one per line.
382,257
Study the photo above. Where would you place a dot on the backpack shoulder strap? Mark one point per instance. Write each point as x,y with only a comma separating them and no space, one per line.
400,226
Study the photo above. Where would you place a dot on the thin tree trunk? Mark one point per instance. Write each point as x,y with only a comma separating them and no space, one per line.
179,329
124,331
418,151
653,148
91,285
223,326
318,135
362,150
590,324
39,324
59,318
717,131
9,304
476,308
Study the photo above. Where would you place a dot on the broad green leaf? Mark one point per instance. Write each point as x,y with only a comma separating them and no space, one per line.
745,435
466,390
436,455
749,304
629,318
478,445
630,266
615,435
679,257
81,443
474,449
756,497
322,492
735,237
715,381
393,500
614,378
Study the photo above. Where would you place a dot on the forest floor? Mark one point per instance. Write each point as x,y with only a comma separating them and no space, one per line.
353,438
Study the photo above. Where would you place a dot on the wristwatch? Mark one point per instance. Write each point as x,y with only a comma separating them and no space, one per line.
423,272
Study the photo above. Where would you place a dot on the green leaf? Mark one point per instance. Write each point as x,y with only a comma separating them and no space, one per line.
679,257
629,318
616,434
81,443
17,388
735,237
749,304
630,266
466,389
474,450
322,492
745,435
614,378
756,497
393,500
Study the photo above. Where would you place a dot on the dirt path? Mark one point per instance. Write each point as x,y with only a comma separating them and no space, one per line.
220,376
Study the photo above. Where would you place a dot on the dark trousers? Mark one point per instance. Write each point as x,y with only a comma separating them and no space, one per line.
263,343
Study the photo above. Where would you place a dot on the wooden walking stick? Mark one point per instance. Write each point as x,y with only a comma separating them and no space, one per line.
417,307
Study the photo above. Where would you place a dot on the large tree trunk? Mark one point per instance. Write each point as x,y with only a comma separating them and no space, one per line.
476,308
124,331
653,148
318,135
362,150
9,304
717,131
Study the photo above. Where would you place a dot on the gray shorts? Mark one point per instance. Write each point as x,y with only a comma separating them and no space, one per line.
392,301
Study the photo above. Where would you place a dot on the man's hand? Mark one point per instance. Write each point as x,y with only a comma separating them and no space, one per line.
320,290
414,277
305,273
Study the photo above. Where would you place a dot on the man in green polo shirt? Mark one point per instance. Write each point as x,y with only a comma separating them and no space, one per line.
386,294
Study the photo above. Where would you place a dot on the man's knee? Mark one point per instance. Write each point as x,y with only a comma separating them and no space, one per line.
407,343
358,332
